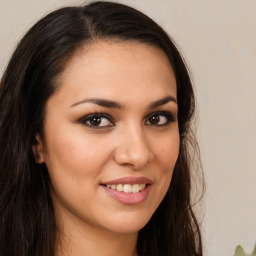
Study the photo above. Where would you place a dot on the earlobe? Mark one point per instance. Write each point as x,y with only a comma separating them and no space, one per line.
38,150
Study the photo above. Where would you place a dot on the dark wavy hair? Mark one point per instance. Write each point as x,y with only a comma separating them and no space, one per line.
27,221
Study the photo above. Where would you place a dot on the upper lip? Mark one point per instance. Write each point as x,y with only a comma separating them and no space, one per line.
129,180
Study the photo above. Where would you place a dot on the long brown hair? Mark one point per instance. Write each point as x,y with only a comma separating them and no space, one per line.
27,221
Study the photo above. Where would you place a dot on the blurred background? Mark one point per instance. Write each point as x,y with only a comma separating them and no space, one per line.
218,40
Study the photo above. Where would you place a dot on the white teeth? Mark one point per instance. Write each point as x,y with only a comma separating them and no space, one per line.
142,186
128,188
135,188
113,186
120,187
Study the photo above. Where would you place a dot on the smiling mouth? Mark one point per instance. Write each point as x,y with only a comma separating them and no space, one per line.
127,188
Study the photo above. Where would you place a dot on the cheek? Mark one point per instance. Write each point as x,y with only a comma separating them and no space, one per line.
74,163
76,153
167,154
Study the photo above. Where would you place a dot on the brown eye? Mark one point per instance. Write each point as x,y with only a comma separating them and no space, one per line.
154,119
97,120
160,118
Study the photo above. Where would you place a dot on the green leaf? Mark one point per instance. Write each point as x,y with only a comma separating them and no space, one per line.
254,251
240,251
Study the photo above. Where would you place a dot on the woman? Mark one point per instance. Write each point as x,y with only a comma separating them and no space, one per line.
96,106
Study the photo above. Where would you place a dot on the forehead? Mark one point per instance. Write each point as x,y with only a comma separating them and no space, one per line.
110,69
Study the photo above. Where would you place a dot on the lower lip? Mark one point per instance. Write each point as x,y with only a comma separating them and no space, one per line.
128,198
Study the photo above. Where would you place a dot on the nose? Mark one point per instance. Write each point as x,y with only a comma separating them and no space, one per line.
133,149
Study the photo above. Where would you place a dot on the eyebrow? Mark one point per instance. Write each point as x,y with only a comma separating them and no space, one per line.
163,101
113,104
101,102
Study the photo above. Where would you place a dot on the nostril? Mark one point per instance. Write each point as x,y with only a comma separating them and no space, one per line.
133,150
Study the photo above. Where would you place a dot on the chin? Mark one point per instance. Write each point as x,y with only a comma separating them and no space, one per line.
128,223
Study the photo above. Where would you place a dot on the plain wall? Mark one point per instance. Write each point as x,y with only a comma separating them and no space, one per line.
218,40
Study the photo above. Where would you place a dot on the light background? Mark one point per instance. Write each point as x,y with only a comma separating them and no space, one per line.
218,40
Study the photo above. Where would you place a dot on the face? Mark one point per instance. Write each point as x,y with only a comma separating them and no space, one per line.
111,136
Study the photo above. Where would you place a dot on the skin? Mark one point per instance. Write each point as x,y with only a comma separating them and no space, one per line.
80,157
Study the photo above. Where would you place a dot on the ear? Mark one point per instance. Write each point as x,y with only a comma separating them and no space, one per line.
38,150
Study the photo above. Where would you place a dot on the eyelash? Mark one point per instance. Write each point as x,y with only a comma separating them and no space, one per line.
89,118
170,118
85,120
